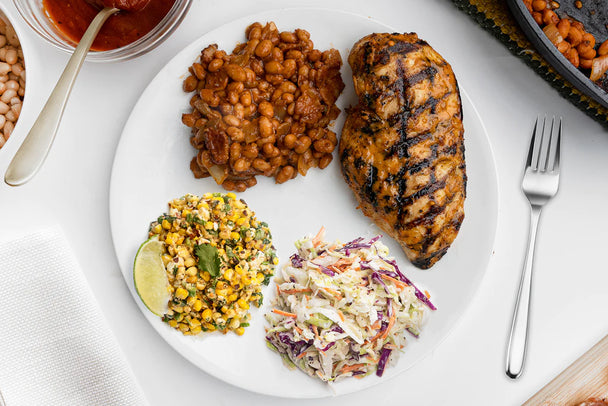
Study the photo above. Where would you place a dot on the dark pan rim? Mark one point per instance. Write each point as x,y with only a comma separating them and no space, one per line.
542,44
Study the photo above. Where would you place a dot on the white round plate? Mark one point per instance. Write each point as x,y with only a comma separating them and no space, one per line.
151,167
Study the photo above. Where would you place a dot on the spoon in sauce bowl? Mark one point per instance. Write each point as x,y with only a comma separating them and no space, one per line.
35,147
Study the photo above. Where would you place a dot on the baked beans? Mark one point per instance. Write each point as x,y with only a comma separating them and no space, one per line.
264,109
12,80
571,39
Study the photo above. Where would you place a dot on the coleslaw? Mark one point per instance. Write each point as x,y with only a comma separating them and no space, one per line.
342,309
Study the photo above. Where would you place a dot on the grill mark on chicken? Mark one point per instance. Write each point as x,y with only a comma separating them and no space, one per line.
401,148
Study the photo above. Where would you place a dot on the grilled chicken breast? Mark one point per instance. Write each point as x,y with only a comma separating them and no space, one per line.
402,146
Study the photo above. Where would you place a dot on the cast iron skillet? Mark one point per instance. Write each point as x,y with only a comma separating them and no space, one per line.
593,14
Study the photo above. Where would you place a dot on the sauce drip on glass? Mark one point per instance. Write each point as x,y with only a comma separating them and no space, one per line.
72,17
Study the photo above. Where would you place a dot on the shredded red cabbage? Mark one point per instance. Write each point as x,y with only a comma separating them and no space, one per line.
384,354
296,261
419,294
326,270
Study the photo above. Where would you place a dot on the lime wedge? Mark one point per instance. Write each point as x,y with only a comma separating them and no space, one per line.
150,277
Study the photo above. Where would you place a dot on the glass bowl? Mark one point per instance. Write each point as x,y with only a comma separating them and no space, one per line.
34,14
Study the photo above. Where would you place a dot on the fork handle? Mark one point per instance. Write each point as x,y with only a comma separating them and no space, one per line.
518,337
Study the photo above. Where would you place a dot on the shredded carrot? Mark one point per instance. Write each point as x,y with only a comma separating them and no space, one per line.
290,291
348,368
333,292
341,315
397,283
316,331
334,268
376,325
303,353
391,323
278,290
427,294
317,239
390,346
282,313
298,329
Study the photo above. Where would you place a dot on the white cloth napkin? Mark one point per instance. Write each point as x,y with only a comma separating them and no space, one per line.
56,348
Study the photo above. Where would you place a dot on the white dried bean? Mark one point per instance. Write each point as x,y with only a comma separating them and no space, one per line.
21,91
4,108
2,40
15,100
12,84
5,68
4,78
8,95
2,142
11,57
16,108
17,69
2,121
8,129
2,87
11,116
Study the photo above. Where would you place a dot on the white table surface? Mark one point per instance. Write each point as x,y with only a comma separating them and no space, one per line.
571,280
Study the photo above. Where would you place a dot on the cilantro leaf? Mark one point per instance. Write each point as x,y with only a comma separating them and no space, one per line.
208,259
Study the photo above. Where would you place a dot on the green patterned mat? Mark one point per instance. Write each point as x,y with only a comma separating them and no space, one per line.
495,17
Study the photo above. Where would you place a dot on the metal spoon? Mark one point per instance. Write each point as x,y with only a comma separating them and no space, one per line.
35,148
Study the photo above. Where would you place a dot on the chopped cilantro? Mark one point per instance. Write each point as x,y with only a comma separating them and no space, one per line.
208,259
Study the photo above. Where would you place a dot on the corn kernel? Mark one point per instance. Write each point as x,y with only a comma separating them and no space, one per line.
239,269
186,212
197,305
166,225
169,239
206,276
183,327
231,195
196,330
275,261
242,304
209,326
194,322
181,293
173,323
224,309
230,313
234,324
191,300
208,225
207,315
166,259
235,235
240,221
191,271
231,298
221,292
259,277
157,229
240,331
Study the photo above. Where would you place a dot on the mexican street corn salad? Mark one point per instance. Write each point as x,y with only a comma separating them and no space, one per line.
217,257
342,309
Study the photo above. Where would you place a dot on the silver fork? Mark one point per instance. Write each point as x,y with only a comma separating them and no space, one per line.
540,184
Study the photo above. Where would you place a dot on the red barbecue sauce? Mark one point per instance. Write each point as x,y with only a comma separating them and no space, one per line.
72,17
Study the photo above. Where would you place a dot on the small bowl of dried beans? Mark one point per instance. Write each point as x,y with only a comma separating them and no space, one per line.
12,76
264,109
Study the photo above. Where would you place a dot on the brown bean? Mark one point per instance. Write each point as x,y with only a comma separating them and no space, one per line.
563,27
290,141
250,151
588,39
199,71
188,120
603,48
575,36
538,17
265,126
190,84
266,109
241,165
235,134
585,63
585,51
264,48
549,17
563,47
232,120
286,173
273,67
261,165
302,144
215,65
572,56
236,72
325,160
539,5
323,146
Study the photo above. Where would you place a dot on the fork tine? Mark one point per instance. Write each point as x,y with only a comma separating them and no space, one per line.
535,144
558,147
